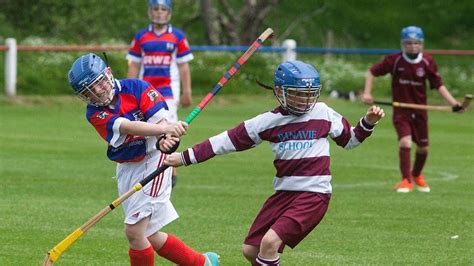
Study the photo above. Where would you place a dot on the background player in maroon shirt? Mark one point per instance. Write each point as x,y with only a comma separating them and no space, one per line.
410,69
163,52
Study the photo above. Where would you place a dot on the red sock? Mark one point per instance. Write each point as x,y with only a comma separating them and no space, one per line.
420,160
404,155
178,252
144,257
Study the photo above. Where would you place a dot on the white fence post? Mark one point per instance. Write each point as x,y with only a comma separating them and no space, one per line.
290,53
10,67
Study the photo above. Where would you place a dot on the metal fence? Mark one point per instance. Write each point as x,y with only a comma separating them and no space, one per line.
289,51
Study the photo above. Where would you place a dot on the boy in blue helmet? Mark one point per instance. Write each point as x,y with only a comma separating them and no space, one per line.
162,52
410,69
130,115
297,131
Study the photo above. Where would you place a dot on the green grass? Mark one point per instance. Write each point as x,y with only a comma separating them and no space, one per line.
55,176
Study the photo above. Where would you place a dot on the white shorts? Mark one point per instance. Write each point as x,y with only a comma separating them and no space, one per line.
153,200
173,110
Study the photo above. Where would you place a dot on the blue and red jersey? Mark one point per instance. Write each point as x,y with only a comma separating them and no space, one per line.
136,100
160,56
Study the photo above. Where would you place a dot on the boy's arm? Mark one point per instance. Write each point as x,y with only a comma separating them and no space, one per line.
139,128
235,139
366,96
350,137
185,76
133,69
443,91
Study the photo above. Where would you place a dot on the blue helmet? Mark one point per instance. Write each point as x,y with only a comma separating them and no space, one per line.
297,86
159,20
91,80
166,3
412,33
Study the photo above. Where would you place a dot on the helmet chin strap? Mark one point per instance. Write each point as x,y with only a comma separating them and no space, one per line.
412,56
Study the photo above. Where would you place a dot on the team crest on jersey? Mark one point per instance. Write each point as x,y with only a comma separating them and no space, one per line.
102,115
169,46
153,95
138,115
420,72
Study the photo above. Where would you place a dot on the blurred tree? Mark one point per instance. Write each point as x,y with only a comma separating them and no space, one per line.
227,24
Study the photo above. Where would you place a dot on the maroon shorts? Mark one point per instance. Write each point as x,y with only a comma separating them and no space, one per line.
412,124
291,214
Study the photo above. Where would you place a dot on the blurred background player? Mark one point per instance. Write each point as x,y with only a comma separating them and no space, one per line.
130,114
410,69
297,131
164,53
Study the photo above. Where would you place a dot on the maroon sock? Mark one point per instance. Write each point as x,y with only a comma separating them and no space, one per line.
261,261
420,160
404,155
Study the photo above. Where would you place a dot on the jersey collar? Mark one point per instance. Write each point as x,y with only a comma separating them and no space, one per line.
413,61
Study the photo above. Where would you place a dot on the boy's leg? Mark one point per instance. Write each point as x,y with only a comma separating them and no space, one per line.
173,117
250,252
403,126
175,250
420,160
421,139
268,254
140,250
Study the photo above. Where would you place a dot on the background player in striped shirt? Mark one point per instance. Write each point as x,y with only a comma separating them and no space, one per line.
162,53
410,69
129,115
297,131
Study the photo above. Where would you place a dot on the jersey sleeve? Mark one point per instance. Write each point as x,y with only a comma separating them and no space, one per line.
135,51
152,103
239,138
433,75
344,134
383,67
107,125
183,50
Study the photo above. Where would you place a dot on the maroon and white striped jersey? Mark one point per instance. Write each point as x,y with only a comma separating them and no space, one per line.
300,145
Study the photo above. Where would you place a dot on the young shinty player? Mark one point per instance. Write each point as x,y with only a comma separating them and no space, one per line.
298,132
129,115
163,53
410,69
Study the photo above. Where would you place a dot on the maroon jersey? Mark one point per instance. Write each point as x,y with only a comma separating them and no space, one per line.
409,76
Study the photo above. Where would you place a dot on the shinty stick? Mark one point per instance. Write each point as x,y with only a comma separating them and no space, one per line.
54,254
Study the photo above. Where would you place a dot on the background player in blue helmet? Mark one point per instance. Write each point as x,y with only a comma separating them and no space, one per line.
297,131
162,52
410,69
129,115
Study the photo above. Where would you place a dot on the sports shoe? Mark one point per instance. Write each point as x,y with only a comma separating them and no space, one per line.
404,187
421,184
212,259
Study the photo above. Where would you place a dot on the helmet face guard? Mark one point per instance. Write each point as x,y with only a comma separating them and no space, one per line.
297,87
298,100
157,6
411,40
100,92
92,80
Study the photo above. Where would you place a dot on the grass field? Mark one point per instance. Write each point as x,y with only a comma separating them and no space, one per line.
55,176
